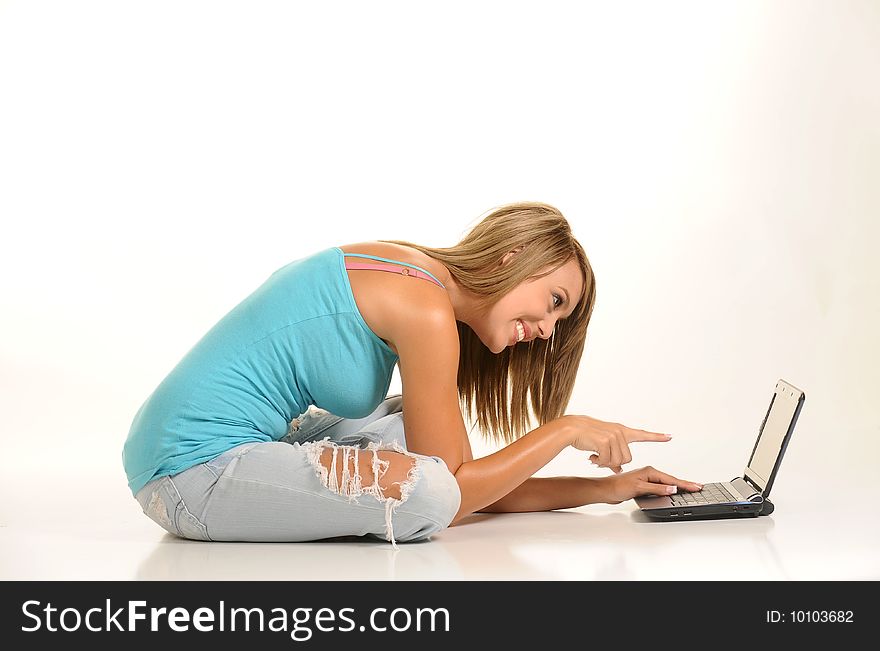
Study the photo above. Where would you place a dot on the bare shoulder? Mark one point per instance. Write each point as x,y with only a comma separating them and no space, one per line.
416,319
401,254
397,306
429,354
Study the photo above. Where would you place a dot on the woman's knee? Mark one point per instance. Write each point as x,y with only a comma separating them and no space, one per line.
435,502
419,492
350,470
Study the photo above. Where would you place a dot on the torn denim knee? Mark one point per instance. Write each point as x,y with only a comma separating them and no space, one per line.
158,512
351,485
311,412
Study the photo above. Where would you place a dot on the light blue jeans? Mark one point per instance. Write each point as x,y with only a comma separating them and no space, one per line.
280,491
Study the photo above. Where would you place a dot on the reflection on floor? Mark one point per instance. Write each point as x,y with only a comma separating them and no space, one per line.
58,534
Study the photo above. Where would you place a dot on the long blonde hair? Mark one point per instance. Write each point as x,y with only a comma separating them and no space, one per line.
545,369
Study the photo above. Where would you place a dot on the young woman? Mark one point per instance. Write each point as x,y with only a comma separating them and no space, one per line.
276,425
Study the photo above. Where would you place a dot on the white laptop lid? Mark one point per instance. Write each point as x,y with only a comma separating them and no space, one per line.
763,464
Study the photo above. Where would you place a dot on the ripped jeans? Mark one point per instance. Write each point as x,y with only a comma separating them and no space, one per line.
321,480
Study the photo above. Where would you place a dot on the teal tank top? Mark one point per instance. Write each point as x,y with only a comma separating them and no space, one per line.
297,340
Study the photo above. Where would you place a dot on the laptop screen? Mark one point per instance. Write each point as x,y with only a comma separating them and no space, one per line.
773,435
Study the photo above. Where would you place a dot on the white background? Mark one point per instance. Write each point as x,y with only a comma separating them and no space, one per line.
719,162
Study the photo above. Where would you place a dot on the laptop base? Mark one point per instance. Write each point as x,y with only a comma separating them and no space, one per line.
766,508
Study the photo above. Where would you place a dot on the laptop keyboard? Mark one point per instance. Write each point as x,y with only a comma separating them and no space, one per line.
711,494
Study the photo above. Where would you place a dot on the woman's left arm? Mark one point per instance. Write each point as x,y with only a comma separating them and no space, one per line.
549,493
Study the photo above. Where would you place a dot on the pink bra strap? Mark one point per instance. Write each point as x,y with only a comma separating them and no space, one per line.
381,266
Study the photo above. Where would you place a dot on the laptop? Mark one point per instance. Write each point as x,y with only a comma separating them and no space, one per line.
745,496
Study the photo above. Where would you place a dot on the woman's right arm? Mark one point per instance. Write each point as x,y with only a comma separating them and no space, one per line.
486,480
428,346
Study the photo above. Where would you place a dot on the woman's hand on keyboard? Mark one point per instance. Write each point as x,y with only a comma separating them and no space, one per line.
644,481
610,441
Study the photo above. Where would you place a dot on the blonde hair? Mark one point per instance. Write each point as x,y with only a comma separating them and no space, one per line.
546,369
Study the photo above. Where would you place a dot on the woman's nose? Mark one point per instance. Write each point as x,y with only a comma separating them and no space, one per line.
545,331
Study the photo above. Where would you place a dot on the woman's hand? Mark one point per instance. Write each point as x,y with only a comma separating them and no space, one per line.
609,440
644,481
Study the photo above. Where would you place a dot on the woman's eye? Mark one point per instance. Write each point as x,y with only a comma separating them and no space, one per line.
555,304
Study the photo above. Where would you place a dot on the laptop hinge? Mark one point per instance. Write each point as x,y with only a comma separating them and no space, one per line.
752,484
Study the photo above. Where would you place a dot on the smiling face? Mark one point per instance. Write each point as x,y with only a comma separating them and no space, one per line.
538,303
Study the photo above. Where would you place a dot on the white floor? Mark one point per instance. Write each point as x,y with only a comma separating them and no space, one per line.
76,529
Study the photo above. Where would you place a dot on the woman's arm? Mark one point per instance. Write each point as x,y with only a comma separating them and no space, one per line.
549,493
544,493
487,480
429,349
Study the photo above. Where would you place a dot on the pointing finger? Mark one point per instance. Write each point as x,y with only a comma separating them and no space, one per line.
644,435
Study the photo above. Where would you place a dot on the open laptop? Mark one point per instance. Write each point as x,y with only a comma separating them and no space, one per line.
744,496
